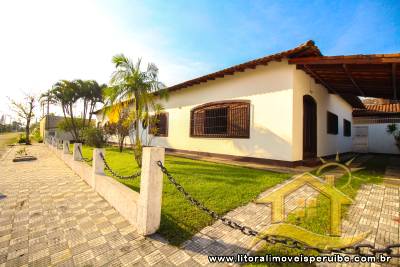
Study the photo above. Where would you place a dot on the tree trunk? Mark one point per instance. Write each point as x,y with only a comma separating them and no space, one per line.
27,140
138,146
91,112
121,140
74,128
85,103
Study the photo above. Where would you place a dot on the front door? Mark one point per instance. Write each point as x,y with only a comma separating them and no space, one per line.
309,127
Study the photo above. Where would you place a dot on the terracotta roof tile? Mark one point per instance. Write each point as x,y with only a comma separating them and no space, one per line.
307,49
377,110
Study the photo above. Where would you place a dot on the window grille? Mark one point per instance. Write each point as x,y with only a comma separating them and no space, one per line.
229,119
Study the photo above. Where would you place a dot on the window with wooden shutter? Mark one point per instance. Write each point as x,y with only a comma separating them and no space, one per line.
228,119
160,125
346,127
332,123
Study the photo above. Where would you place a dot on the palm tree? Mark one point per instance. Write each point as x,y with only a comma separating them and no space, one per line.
47,98
91,93
66,93
131,85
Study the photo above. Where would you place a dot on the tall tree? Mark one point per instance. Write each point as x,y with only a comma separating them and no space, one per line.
66,93
24,110
46,99
132,85
91,93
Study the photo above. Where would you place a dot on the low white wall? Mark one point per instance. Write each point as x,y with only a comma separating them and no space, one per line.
122,198
379,141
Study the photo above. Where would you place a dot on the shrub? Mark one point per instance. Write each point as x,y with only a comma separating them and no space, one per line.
36,135
22,139
65,126
394,130
94,137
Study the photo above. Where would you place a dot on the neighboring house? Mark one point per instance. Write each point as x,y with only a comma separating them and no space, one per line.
370,128
48,127
287,108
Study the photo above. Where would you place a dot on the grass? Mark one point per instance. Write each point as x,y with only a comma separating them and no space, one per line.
318,221
8,138
220,187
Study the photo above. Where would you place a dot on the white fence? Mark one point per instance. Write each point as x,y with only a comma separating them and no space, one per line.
143,210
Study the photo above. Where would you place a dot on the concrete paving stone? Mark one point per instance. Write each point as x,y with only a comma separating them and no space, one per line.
130,258
146,247
33,257
154,257
168,250
83,258
179,257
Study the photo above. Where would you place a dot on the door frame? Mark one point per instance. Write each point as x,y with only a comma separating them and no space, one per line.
308,117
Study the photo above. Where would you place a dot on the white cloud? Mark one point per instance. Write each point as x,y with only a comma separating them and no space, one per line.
42,42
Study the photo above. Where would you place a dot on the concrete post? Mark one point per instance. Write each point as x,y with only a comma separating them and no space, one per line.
77,155
149,205
66,147
98,163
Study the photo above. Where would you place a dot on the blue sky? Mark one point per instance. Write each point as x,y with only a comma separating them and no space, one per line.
71,39
222,33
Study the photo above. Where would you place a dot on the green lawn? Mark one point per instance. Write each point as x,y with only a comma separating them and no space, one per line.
6,139
318,219
220,187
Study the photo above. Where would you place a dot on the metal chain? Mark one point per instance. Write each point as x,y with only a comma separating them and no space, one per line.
69,151
360,249
133,176
85,159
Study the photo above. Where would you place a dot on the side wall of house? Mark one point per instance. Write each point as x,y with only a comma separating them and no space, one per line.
270,91
327,144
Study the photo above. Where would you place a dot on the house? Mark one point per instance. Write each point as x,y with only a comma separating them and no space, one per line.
48,128
287,108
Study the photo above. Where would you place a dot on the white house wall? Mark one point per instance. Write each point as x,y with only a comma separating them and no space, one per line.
270,91
327,144
379,141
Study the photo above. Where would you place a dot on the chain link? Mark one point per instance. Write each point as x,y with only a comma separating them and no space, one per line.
360,249
133,176
84,159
